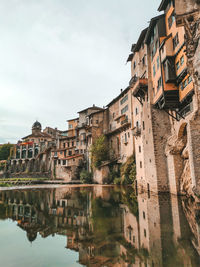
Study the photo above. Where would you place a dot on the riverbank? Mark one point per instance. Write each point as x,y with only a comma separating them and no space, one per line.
47,186
32,181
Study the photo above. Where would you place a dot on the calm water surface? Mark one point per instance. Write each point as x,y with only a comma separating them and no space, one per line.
97,226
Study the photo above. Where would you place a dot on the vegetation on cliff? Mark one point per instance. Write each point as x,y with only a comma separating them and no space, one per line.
127,172
99,151
85,177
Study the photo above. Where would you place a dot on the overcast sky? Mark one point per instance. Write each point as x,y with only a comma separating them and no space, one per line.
60,56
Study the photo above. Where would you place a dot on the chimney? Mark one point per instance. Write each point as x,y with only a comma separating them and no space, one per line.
121,90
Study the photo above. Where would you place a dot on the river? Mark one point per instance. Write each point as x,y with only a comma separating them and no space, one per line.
70,226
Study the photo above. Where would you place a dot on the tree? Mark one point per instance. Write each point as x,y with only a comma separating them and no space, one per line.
99,151
5,151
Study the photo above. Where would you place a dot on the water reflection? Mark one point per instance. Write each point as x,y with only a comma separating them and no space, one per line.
110,226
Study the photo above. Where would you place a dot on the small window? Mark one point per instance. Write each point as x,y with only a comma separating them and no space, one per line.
182,60
144,216
154,70
145,233
189,79
175,41
143,61
178,65
185,83
158,63
143,125
140,149
159,83
124,110
140,164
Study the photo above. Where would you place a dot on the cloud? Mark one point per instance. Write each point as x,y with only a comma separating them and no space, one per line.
58,57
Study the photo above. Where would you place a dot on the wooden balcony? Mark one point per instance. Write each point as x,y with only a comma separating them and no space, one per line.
136,131
139,87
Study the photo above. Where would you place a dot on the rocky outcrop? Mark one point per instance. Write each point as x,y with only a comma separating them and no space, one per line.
185,180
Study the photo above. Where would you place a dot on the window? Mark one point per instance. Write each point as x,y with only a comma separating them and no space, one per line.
136,111
123,100
137,124
97,121
64,162
182,86
144,215
124,110
145,233
143,61
175,41
154,31
154,70
154,49
70,126
72,143
140,149
125,138
171,20
182,60
178,65
63,145
143,125
159,83
152,38
154,92
134,64
185,83
189,79
140,164
158,63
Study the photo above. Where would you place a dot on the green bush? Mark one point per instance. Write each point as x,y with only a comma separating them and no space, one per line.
5,151
99,151
117,181
128,171
85,177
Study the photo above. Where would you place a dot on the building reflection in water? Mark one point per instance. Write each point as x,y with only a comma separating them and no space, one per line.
110,226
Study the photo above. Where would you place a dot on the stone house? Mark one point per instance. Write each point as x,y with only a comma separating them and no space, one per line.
119,131
66,157
33,153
